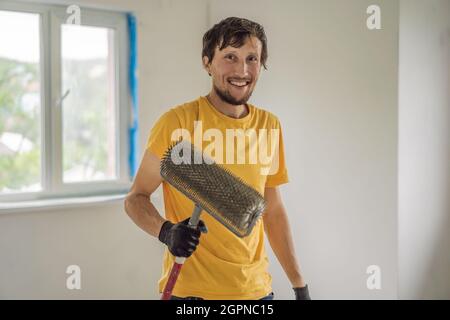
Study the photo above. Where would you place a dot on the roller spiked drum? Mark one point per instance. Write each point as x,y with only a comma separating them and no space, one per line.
214,189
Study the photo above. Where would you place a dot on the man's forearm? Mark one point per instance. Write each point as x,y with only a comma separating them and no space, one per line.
144,214
279,234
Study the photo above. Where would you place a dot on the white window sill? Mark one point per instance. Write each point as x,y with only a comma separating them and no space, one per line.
60,203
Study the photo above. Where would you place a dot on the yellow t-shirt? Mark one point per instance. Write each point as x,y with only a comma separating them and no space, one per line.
223,266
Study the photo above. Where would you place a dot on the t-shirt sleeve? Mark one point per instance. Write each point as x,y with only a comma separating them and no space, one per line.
278,172
160,135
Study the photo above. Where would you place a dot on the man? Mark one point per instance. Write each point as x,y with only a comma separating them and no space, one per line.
223,265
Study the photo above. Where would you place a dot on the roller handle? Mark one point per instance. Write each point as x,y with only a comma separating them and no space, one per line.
179,261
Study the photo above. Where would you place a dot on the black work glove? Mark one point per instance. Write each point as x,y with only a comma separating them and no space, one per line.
302,293
180,238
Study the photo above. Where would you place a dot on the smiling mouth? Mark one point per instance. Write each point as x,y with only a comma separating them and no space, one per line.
239,83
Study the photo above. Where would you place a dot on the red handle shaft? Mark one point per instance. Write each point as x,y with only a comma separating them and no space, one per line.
167,293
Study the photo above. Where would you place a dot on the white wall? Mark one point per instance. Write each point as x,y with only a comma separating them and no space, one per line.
424,154
333,84
117,260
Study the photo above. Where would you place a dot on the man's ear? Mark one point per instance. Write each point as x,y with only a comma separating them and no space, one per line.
206,64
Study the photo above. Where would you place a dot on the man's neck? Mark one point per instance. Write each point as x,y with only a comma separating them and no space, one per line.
227,109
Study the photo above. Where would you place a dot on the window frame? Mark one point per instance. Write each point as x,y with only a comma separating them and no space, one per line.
52,17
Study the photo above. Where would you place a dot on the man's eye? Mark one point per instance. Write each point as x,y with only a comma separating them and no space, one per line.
253,59
229,56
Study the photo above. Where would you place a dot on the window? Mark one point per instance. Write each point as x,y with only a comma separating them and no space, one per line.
88,82
64,102
20,103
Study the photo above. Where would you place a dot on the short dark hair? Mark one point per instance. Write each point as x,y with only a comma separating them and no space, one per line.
233,31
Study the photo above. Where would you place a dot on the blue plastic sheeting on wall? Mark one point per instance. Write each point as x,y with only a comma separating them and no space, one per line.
133,129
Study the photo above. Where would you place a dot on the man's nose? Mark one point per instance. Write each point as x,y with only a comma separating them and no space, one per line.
242,69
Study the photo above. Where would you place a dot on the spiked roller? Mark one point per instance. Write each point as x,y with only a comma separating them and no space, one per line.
212,188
